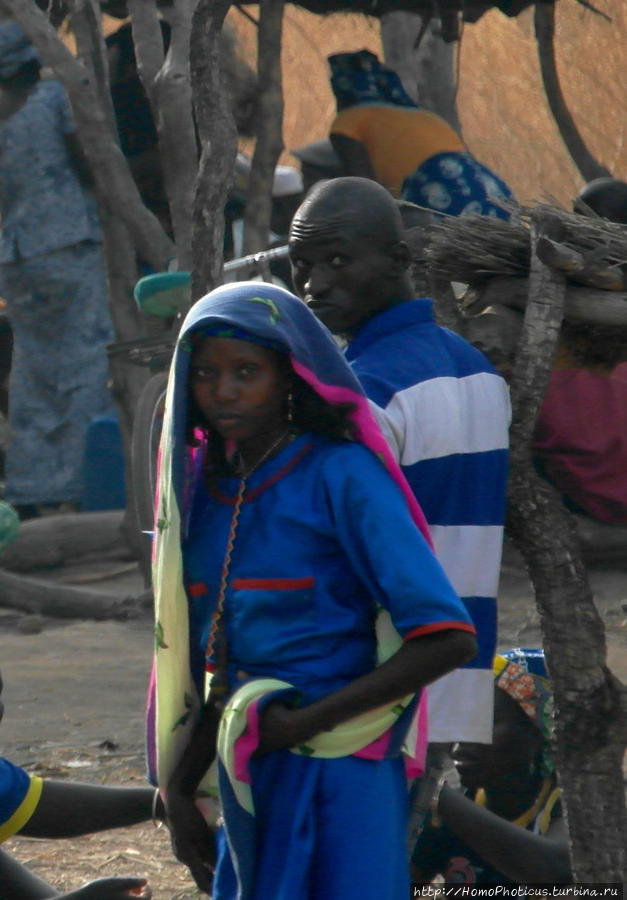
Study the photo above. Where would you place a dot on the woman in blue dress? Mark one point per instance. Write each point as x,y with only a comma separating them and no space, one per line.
300,612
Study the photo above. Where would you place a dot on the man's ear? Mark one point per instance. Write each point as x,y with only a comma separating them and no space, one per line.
401,257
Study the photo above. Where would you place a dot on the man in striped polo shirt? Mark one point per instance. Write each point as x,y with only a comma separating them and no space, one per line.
444,409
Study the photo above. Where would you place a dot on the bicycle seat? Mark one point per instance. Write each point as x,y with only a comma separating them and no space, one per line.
164,294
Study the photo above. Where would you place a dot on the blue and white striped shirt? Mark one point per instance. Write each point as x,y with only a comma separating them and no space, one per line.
446,411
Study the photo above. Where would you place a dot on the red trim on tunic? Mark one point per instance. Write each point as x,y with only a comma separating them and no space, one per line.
273,584
198,589
439,626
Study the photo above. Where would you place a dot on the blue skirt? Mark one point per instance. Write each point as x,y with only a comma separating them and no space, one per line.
325,829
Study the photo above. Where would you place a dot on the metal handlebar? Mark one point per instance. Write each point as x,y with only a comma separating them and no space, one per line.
261,258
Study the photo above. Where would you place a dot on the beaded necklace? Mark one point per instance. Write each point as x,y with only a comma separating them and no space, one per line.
216,642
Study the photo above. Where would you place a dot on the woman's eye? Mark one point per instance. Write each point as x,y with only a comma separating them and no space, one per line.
300,264
338,261
247,370
200,372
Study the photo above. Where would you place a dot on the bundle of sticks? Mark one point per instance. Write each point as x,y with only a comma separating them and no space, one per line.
471,249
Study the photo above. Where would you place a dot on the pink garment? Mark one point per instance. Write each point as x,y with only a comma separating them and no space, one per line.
581,440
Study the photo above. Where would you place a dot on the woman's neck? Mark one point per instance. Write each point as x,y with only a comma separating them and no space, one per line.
253,453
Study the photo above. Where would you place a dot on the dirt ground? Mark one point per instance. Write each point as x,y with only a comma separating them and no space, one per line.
74,699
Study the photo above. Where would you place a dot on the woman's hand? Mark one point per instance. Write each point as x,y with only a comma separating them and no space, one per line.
193,842
282,726
112,889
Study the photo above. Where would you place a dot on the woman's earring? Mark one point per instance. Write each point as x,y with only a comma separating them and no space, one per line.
290,408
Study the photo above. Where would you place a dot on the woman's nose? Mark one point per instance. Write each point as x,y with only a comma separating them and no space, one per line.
224,389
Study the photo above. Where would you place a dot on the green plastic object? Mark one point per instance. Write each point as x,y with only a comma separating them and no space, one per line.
9,525
164,293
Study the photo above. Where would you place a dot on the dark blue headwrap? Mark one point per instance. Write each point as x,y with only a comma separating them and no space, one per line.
360,78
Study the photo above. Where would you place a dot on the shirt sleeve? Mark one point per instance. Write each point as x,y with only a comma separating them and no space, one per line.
19,796
385,547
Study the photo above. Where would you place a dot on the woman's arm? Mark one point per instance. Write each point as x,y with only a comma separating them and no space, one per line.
519,854
192,840
417,663
354,156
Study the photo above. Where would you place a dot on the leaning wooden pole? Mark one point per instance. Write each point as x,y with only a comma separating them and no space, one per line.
590,704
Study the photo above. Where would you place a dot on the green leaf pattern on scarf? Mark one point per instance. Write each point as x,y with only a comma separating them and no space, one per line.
275,315
159,640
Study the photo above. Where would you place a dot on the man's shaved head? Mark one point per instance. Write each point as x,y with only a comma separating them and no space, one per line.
358,204
349,260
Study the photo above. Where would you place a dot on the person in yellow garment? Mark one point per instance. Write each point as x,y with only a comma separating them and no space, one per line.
380,133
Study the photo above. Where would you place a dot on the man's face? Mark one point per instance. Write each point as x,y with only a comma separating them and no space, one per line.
344,277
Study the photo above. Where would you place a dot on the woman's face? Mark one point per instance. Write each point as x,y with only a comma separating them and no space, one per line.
240,388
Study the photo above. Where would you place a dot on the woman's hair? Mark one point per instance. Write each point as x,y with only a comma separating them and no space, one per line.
594,345
310,412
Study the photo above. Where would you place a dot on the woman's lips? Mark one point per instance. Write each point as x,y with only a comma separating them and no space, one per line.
226,421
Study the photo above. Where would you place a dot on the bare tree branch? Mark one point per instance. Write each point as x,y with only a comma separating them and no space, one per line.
581,156
168,87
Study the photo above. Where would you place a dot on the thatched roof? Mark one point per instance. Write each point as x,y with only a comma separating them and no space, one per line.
472,9
450,12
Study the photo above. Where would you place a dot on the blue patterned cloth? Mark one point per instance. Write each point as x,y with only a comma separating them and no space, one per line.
456,184
52,278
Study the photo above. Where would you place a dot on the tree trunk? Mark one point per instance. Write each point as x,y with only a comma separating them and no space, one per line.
167,84
119,258
218,138
269,127
587,165
589,736
428,72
